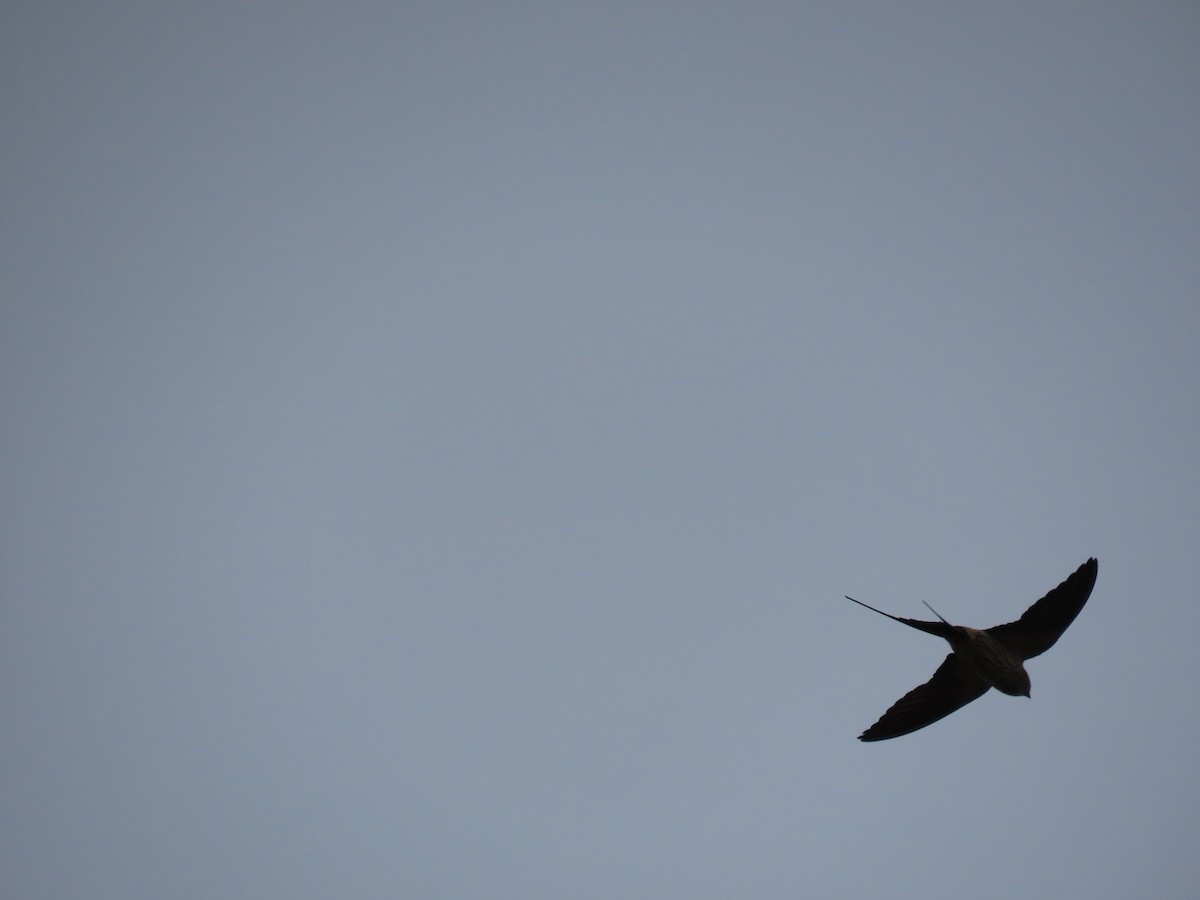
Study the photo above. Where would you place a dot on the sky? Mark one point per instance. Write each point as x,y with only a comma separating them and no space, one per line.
438,438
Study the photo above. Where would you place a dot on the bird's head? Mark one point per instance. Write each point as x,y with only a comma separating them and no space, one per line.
1016,683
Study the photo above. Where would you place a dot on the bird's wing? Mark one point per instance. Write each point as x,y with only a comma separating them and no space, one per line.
952,687
1044,622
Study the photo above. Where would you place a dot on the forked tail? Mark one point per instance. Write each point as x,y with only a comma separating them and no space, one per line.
942,629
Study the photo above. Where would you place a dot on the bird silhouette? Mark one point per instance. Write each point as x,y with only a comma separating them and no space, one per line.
982,659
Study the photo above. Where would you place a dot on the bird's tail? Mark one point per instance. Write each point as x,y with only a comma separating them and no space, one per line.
942,629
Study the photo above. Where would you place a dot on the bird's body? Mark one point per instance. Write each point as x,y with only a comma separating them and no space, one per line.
983,658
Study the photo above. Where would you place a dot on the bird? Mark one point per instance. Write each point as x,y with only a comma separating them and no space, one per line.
983,658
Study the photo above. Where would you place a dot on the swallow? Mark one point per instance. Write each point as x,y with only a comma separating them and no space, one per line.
982,659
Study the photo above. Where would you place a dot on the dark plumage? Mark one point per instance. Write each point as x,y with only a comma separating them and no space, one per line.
981,659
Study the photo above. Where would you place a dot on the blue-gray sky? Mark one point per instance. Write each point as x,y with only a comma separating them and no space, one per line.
438,437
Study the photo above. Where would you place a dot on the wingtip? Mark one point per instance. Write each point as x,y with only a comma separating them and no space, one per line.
1092,568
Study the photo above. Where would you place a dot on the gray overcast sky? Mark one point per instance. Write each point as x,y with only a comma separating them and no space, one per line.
438,437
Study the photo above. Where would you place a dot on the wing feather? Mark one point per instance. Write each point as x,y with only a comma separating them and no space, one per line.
952,687
1044,622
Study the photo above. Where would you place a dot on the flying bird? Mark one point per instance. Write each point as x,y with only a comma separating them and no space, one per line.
980,659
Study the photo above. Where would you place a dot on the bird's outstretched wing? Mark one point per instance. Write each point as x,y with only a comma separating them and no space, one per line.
952,687
1044,622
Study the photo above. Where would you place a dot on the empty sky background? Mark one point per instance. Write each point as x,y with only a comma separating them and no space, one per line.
437,438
